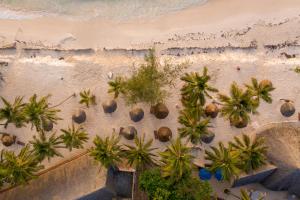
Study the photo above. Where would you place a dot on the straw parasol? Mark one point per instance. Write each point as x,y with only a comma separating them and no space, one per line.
207,138
164,134
136,114
287,109
211,110
159,110
109,106
128,132
8,140
47,125
79,116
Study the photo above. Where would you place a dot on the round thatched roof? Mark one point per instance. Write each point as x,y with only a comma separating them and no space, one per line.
136,114
211,110
47,125
283,141
265,83
109,106
160,111
287,109
79,116
8,140
163,134
207,138
128,132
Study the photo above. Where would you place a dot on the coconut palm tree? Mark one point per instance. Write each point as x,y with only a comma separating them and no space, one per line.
196,87
238,106
176,160
116,86
13,113
87,98
261,90
140,155
44,147
107,151
252,153
37,111
20,168
74,137
193,126
223,159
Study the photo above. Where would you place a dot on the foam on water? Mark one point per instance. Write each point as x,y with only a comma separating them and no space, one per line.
86,9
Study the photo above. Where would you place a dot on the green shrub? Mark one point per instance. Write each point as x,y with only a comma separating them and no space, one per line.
147,83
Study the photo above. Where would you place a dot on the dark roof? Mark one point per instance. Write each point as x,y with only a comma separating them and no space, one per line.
102,194
283,141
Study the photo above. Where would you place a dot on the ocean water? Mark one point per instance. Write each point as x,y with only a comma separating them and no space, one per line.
86,9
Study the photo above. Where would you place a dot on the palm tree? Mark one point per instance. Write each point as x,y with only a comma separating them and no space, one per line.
44,147
140,155
223,159
261,90
193,126
116,86
37,111
87,98
176,160
74,137
238,106
196,87
107,151
13,113
252,153
22,167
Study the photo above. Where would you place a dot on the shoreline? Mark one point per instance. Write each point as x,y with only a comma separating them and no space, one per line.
212,17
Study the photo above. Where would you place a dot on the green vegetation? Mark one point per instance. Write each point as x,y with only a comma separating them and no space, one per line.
158,187
18,169
223,159
240,156
44,147
196,88
241,103
261,90
147,83
107,151
238,106
176,161
74,137
252,153
193,126
297,69
36,111
13,113
87,98
140,155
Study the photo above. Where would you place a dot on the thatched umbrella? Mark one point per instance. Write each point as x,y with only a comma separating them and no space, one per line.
287,109
265,83
8,140
136,114
241,123
79,116
128,132
159,110
47,125
207,138
211,110
164,134
109,106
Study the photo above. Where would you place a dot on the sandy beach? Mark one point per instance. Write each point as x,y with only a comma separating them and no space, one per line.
53,55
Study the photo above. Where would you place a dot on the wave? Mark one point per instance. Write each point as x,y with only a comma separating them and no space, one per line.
87,9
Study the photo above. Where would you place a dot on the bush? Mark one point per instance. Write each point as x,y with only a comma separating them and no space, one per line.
159,188
147,82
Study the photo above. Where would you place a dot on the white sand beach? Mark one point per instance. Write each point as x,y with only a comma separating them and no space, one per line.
59,56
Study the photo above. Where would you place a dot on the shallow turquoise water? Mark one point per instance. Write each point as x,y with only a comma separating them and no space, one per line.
112,9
